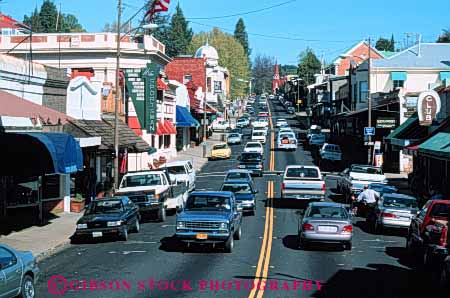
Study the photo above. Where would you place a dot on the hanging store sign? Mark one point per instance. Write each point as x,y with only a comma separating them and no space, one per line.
384,122
150,75
428,106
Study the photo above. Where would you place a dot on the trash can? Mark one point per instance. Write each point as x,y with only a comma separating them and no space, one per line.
204,145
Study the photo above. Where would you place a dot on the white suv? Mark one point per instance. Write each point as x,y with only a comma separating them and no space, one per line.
254,147
183,172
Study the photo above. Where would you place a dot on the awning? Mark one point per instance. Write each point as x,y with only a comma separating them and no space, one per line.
184,118
161,85
170,129
160,129
407,133
437,146
444,75
39,153
398,75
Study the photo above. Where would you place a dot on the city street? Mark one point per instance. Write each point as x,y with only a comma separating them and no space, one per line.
376,266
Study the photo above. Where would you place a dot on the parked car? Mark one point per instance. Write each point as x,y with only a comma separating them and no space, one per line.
393,211
109,217
234,138
245,193
428,232
353,179
302,183
210,218
325,222
183,171
254,147
19,273
152,191
259,136
287,141
220,151
253,162
280,122
330,154
290,110
221,126
314,129
382,188
317,140
238,174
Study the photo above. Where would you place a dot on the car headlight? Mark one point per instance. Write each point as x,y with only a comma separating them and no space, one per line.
114,223
258,166
81,226
223,226
150,196
385,181
241,167
181,225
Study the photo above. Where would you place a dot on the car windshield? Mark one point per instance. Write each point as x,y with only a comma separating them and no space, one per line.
382,188
251,157
105,206
367,170
390,201
237,175
238,188
258,133
253,145
233,135
332,148
302,173
219,147
141,180
214,203
327,212
441,210
287,135
176,170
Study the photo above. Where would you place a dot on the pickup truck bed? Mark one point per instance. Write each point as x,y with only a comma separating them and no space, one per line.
303,188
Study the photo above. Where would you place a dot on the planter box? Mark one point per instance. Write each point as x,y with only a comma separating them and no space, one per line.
76,206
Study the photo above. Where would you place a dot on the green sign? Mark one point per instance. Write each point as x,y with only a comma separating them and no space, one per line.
141,85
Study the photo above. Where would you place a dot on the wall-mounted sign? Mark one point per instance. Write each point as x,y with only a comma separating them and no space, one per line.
428,105
384,122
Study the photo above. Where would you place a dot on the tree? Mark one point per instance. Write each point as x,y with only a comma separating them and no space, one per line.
242,37
308,66
288,70
33,21
383,44
444,37
179,34
112,27
48,17
392,45
69,23
262,71
231,55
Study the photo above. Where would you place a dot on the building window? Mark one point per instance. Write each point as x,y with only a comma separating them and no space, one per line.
399,83
217,87
208,84
153,141
363,91
166,141
161,142
187,78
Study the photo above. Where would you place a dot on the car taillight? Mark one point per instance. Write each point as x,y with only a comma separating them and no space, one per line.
391,215
348,229
324,187
282,186
443,239
308,227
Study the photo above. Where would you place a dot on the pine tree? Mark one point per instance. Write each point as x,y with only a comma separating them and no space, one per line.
309,65
241,36
33,21
179,34
392,44
383,44
48,16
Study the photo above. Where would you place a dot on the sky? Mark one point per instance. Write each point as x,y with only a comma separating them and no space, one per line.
327,26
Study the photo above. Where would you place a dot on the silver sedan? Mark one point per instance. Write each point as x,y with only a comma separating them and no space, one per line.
325,222
234,138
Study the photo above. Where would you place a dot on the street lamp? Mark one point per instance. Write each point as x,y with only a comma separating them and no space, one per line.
369,99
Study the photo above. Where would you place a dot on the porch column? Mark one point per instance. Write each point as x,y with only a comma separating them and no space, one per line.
64,190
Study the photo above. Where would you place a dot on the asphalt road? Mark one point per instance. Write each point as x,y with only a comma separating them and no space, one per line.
377,266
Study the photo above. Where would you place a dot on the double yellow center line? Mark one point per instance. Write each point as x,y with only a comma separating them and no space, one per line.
262,269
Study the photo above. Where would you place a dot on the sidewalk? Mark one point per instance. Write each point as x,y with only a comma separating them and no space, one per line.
195,154
45,240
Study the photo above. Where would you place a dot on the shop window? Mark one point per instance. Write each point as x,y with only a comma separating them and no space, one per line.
187,78
153,141
399,84
160,96
208,84
166,141
161,142
363,91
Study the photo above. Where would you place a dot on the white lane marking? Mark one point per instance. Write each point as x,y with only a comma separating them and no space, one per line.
140,242
166,226
377,247
133,251
380,240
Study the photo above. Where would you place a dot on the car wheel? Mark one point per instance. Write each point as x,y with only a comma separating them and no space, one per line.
27,288
444,279
229,245
162,214
238,234
348,246
124,235
137,226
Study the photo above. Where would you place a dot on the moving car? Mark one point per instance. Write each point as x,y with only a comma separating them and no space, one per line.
252,161
210,218
263,114
303,183
19,273
290,110
245,194
260,123
259,136
325,222
221,126
238,174
183,171
109,217
331,152
285,129
220,151
316,140
280,122
393,211
287,141
263,129
354,178
313,129
242,122
234,138
238,131
254,147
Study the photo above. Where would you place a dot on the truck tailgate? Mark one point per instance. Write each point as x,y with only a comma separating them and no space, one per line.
303,188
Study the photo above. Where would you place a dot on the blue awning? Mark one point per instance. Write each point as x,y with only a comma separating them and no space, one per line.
444,75
398,75
39,153
184,118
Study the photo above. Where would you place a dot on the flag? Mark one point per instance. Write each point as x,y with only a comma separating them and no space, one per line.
157,6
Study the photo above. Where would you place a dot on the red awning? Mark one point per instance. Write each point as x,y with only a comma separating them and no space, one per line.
161,85
160,129
170,129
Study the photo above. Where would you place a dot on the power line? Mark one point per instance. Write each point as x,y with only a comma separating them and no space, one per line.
242,13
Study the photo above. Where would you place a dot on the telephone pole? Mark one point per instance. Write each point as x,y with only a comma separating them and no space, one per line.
369,99
116,100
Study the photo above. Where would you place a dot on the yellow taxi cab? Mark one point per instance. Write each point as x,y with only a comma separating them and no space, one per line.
220,151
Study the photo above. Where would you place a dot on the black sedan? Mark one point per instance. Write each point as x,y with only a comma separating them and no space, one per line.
109,217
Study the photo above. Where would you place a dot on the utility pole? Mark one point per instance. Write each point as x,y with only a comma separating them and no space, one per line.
117,101
369,99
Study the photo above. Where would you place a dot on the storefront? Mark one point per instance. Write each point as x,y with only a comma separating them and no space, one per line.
184,123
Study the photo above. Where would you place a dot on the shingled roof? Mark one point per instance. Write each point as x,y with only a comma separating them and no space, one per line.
105,129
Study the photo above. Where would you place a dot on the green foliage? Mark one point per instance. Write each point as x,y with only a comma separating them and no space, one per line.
444,37
383,44
231,55
309,65
241,36
45,19
288,70
263,67
179,34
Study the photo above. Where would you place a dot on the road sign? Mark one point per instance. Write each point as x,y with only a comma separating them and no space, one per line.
369,131
377,145
369,143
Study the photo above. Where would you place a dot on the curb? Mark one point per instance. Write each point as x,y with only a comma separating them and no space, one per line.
52,251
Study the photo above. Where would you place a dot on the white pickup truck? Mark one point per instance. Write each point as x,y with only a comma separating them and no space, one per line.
354,178
303,183
154,192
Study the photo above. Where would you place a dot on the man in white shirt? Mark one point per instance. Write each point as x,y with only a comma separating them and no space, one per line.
368,197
